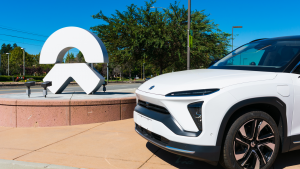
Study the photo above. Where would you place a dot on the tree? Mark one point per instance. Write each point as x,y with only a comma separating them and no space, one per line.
70,58
80,58
140,34
15,61
4,64
5,48
15,45
32,65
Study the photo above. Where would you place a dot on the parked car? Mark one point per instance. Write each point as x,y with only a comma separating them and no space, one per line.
240,112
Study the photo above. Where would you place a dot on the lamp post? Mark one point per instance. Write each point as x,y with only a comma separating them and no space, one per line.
23,61
156,7
8,63
188,35
107,72
144,71
232,33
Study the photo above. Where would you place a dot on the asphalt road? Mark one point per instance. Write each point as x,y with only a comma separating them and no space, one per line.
111,86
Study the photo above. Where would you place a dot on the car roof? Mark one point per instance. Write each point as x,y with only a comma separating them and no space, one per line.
286,37
295,37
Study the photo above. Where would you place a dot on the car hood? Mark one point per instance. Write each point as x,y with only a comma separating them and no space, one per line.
201,79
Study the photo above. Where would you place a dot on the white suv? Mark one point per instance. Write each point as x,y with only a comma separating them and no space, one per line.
240,112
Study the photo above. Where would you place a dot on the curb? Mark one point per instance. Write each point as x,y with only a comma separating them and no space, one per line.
10,84
11,164
126,81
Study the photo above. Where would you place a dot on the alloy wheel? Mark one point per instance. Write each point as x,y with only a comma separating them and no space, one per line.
254,144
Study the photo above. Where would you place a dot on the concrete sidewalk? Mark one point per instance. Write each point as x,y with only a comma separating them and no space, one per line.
109,145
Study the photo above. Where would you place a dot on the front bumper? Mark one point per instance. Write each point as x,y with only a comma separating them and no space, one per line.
209,154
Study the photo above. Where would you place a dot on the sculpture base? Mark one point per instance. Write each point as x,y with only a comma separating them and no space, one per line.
17,110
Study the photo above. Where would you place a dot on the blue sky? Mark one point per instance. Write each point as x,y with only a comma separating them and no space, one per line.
259,18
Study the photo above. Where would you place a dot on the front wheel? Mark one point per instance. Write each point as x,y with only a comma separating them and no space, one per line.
252,142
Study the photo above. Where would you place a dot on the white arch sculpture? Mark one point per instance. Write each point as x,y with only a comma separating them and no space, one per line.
62,74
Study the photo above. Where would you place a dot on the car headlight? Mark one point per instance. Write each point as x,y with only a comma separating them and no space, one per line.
195,110
193,93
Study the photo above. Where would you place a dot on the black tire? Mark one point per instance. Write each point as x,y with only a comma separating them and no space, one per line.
251,142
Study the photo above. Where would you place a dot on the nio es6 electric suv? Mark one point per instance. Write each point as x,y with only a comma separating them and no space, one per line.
240,112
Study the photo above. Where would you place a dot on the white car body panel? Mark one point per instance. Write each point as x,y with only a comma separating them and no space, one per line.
267,89
202,79
296,110
234,85
180,113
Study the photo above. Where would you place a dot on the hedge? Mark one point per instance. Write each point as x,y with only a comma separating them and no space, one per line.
12,78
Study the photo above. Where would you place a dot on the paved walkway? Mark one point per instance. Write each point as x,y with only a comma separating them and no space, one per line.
110,145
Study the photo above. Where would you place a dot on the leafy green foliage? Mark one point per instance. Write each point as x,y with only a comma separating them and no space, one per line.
5,48
32,66
4,78
70,58
159,38
80,58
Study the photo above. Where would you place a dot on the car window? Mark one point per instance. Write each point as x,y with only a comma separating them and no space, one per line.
297,70
273,55
251,57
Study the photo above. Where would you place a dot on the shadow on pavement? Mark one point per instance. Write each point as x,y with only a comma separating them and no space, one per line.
283,160
290,159
179,161
46,97
97,93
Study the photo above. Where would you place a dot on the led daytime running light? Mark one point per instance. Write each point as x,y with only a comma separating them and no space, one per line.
193,93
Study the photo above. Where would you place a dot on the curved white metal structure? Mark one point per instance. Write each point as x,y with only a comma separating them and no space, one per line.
61,74
61,41
86,77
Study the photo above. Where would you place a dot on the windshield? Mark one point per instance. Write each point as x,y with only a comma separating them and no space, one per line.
268,55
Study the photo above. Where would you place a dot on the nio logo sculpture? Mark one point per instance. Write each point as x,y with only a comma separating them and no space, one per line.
58,44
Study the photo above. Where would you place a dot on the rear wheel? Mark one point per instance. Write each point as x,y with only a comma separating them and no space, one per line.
252,142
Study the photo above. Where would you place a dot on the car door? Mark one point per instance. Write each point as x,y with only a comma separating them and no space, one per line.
295,132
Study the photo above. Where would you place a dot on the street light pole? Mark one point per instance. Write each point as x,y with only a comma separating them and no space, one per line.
23,61
107,72
8,63
144,71
153,7
232,33
188,35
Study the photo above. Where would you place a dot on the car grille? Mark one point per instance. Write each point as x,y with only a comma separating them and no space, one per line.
151,134
153,107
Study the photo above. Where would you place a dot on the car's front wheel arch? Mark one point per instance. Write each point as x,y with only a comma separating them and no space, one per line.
252,141
271,105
